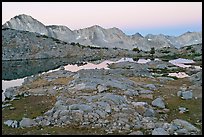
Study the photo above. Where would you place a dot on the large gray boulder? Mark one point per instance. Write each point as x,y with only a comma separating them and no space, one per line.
196,78
91,79
27,122
149,113
11,92
186,125
158,102
187,95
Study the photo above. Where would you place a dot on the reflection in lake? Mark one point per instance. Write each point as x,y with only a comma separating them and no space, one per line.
14,72
179,75
181,62
104,64
75,68
20,69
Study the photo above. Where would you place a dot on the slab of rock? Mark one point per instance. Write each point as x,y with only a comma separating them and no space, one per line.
149,113
83,107
196,78
117,99
186,125
159,131
158,102
11,92
27,122
187,95
150,86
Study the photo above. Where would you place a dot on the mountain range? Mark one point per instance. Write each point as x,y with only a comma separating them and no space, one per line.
100,37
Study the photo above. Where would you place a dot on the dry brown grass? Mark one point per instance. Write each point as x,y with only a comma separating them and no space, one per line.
40,82
62,81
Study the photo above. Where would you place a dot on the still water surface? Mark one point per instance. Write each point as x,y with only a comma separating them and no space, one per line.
14,72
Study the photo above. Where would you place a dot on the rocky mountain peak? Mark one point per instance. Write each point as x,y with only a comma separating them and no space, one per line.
95,27
116,30
188,33
98,36
137,35
26,23
23,16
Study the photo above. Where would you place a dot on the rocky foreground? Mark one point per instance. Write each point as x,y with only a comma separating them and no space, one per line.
128,98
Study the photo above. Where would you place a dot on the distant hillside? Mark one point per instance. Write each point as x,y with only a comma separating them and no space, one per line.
18,44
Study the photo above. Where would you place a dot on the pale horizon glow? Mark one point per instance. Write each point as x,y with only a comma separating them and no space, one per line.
169,18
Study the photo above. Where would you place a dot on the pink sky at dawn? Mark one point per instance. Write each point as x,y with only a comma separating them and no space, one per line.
172,18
